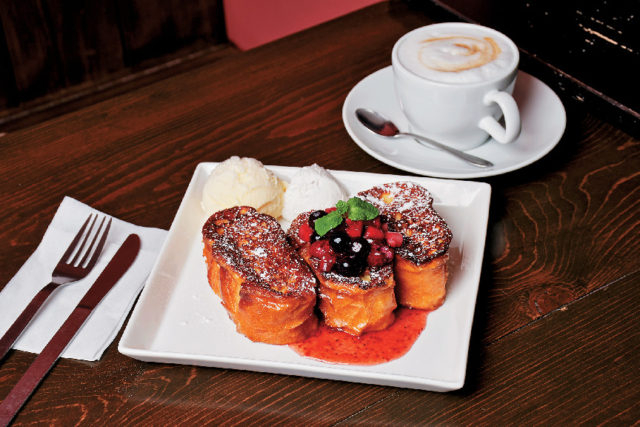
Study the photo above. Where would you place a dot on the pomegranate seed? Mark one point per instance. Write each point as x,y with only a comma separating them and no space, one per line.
305,231
373,233
393,238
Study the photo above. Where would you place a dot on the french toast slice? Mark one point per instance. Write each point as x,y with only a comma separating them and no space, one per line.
420,264
266,287
355,304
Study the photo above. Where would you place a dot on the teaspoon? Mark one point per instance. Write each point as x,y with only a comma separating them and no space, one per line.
379,124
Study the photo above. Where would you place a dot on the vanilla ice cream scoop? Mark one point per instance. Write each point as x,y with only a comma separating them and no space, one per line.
243,182
311,188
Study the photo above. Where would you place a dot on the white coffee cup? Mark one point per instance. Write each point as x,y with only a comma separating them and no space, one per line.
454,82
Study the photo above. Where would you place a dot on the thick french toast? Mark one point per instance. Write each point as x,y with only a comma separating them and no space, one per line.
420,264
266,287
354,304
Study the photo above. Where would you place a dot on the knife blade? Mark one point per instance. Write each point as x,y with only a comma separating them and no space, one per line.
118,265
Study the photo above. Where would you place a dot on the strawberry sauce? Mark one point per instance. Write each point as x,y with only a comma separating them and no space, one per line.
372,348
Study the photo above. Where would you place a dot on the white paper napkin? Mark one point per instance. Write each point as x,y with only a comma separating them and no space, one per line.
107,318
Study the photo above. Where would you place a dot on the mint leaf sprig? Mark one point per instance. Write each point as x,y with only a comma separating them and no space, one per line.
355,209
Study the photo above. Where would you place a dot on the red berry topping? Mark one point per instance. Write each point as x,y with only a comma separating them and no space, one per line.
354,228
373,233
375,222
379,255
326,263
329,210
321,248
376,258
393,238
387,252
305,231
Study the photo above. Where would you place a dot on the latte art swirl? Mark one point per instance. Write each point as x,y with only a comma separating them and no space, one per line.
457,53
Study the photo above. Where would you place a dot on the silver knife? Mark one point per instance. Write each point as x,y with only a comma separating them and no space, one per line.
118,265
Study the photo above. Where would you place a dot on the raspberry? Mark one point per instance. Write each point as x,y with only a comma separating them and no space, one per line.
321,248
393,238
373,233
376,259
305,231
375,222
387,252
326,263
354,228
379,255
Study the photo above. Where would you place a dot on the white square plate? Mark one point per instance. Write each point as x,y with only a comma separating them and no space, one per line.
178,318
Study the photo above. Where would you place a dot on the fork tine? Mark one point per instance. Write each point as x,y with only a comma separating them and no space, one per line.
74,242
84,241
100,245
89,250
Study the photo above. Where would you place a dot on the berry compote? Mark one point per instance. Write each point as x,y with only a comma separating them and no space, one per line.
351,246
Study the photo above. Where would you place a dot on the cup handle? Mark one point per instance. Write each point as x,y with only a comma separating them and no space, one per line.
509,108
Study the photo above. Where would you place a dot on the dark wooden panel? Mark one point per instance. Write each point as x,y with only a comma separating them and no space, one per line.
51,45
8,90
31,46
595,41
153,28
87,38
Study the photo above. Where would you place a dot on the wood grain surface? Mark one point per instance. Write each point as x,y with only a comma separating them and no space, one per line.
555,337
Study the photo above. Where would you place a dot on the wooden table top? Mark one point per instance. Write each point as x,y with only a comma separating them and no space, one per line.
555,336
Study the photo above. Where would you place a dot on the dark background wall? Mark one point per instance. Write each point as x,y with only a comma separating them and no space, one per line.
48,45
587,50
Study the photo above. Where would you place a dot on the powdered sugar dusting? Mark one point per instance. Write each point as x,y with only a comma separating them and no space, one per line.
254,245
373,277
409,209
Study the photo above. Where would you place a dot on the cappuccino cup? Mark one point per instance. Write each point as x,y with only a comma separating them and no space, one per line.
454,83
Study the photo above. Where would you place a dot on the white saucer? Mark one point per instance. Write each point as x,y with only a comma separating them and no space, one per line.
543,122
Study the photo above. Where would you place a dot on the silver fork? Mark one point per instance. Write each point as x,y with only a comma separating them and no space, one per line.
69,269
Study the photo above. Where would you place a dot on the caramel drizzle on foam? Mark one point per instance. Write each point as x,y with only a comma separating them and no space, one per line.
480,52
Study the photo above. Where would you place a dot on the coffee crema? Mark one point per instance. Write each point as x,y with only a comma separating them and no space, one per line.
457,53
456,57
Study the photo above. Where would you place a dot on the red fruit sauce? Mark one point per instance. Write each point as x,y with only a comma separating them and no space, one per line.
372,348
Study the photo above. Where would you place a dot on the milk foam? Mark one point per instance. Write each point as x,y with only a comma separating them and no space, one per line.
456,55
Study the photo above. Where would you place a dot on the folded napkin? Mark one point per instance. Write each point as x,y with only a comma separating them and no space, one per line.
107,318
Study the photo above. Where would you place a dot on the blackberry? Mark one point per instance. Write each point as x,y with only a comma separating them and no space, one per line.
349,266
315,215
340,242
360,248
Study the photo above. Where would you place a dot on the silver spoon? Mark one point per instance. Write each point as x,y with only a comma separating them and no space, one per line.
379,124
